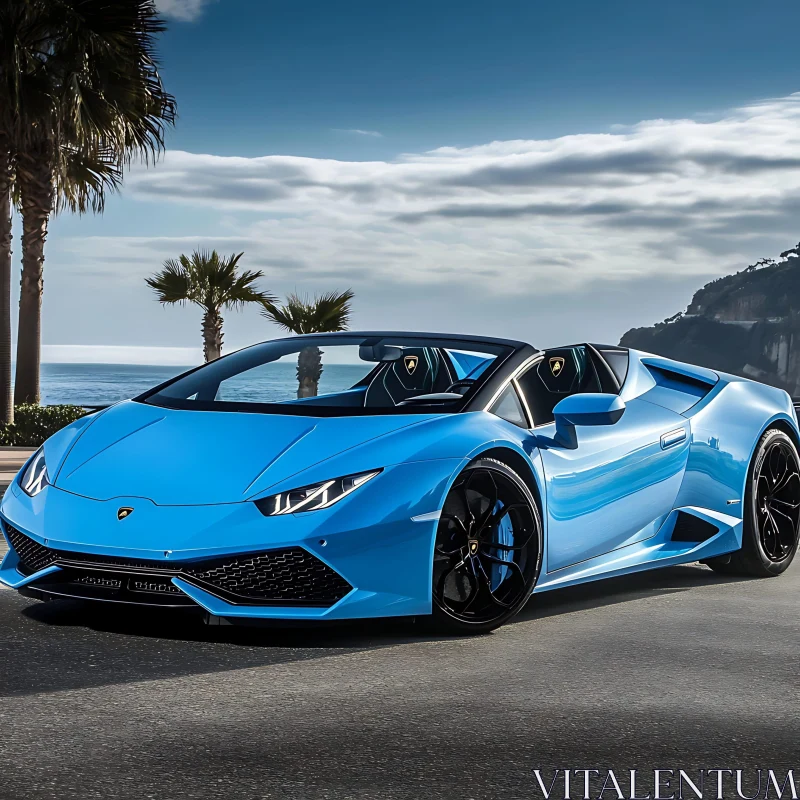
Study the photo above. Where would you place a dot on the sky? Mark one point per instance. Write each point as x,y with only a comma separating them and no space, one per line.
555,172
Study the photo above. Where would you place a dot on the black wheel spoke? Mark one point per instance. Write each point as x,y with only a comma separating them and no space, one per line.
488,584
782,483
491,504
488,523
779,513
505,563
777,501
498,515
784,529
458,521
507,548
787,506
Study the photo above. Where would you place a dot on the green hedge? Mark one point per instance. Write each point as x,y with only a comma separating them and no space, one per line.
33,424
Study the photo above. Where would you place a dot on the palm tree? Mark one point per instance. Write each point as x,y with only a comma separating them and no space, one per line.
6,175
326,313
17,43
211,282
89,90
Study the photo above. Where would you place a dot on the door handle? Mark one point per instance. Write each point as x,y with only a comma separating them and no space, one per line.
672,438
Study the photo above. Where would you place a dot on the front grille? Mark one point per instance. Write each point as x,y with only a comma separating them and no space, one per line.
292,575
287,575
33,555
153,586
98,580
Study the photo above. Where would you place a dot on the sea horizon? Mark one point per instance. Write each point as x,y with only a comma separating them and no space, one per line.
96,384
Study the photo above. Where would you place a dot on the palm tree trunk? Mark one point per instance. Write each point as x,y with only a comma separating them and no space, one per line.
212,334
6,400
309,371
35,176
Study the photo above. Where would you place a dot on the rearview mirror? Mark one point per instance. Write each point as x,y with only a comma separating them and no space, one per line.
591,408
379,352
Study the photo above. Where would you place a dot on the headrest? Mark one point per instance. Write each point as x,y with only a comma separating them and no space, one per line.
561,370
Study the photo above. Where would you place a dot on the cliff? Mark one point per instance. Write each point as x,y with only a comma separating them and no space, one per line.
747,324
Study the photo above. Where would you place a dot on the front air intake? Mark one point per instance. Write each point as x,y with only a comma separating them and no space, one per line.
32,555
291,576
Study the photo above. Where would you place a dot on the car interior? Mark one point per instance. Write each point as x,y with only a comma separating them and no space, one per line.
417,371
562,371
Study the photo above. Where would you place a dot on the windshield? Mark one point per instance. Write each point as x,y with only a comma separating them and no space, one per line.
337,375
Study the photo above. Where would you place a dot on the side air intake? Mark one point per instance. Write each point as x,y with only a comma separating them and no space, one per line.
689,528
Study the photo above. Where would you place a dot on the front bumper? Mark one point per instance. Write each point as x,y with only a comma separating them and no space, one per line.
363,557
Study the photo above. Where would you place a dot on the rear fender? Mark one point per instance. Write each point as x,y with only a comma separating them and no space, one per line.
725,433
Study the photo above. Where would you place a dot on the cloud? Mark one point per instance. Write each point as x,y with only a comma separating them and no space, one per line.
359,132
592,200
121,354
519,227
182,10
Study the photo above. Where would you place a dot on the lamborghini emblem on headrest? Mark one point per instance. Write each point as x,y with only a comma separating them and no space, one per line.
556,365
411,363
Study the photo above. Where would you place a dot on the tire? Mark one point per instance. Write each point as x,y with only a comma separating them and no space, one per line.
771,514
488,550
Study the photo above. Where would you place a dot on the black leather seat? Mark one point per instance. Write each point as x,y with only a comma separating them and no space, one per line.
562,372
420,370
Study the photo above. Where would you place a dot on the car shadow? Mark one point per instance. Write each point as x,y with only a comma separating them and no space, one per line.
361,634
68,644
624,589
190,627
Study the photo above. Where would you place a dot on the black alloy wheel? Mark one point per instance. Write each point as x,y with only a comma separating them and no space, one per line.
776,490
771,512
488,549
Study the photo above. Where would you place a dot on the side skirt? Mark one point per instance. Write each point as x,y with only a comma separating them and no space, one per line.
660,550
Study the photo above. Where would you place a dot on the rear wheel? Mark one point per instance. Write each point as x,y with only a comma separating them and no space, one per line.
488,549
771,513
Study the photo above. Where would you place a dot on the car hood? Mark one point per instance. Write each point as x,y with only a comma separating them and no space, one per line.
205,457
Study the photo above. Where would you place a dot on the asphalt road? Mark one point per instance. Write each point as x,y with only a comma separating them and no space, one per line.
672,669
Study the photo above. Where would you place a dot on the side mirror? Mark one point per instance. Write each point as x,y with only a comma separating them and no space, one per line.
585,409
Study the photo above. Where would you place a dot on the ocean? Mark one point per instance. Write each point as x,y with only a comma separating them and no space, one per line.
103,384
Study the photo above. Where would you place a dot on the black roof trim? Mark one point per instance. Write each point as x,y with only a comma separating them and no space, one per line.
466,337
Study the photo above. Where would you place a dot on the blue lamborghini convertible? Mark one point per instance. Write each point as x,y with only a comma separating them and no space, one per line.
354,475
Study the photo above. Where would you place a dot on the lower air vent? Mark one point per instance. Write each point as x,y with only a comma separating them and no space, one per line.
34,556
99,580
689,528
289,576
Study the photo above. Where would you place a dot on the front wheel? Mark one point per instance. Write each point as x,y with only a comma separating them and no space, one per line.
771,512
488,549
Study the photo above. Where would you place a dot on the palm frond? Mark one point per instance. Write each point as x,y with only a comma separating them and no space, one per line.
116,92
210,281
79,79
326,313
84,177
243,291
173,284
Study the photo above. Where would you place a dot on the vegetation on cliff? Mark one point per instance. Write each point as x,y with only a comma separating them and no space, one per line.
747,324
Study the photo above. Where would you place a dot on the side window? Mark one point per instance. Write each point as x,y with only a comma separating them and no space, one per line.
509,407
617,360
562,372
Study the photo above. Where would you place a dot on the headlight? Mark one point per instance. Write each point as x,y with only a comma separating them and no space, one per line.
34,477
314,497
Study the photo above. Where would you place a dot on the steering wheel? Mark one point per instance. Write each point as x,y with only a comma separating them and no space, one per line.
461,387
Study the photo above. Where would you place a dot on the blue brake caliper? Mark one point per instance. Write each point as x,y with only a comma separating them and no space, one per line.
502,534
